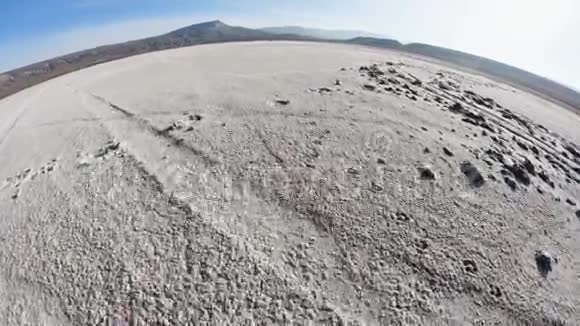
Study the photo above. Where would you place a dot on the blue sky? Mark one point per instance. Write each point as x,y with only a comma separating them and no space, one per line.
537,35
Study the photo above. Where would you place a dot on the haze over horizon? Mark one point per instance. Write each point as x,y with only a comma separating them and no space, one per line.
540,37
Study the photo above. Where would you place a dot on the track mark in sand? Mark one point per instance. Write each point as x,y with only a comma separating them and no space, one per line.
23,110
177,142
267,145
235,207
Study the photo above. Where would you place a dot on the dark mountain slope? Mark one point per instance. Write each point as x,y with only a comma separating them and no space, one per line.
503,71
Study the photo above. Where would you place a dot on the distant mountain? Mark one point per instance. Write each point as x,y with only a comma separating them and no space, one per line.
376,42
204,33
218,32
326,34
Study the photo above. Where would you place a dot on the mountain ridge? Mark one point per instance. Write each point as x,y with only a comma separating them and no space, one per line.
216,31
327,34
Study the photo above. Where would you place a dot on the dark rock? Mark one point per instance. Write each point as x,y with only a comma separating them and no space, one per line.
197,117
337,82
546,179
578,213
282,102
572,150
472,173
447,151
519,173
426,150
522,145
381,161
535,150
324,90
426,173
424,129
544,262
444,85
474,116
470,121
570,202
494,155
529,166
369,87
353,171
540,190
470,266
456,107
511,183
416,82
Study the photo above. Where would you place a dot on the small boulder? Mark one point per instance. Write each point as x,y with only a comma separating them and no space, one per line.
456,108
426,173
447,152
369,87
472,173
545,262
511,183
570,202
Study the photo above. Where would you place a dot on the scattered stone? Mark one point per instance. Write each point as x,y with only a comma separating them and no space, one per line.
110,146
522,145
424,129
353,171
529,166
457,108
16,194
570,202
337,82
426,173
426,150
326,89
369,87
545,262
572,150
546,179
472,173
376,187
381,161
197,117
520,173
444,85
447,152
282,102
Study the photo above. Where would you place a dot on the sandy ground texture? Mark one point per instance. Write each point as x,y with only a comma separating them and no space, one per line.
286,183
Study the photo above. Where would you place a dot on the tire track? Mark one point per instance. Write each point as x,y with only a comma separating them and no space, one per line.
204,187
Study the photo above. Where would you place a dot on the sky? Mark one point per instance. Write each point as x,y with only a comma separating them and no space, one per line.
541,36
